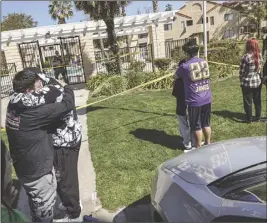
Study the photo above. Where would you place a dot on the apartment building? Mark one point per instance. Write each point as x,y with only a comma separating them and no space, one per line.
222,22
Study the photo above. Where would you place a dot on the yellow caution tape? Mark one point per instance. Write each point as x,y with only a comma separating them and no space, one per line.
225,64
137,87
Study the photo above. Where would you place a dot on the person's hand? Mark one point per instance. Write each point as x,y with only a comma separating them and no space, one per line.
62,83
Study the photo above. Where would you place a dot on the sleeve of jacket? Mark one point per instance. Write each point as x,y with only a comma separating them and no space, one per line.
49,113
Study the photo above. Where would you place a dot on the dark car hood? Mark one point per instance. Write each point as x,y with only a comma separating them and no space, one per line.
209,163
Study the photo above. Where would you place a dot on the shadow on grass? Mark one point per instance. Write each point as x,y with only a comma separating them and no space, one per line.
234,116
129,123
159,137
139,211
86,110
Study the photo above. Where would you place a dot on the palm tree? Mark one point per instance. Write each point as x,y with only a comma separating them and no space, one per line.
155,6
123,13
60,10
106,11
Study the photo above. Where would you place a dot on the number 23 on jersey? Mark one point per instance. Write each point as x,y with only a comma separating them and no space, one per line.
199,71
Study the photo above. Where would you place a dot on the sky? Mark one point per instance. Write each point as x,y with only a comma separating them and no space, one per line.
39,9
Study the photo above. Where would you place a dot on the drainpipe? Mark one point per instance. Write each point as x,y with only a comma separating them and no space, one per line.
205,30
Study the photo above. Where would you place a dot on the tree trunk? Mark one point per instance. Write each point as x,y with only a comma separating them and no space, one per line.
112,39
123,13
61,21
259,29
155,5
102,48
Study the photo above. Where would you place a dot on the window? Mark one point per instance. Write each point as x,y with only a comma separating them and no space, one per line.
212,20
207,20
254,194
167,27
241,184
183,25
143,36
189,22
228,17
229,33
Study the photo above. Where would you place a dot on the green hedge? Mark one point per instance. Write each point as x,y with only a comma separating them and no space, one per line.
107,85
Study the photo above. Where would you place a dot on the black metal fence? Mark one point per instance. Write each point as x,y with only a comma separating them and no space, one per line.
173,49
8,70
69,58
128,55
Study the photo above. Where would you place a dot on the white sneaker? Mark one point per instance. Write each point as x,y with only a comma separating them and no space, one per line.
63,208
188,150
187,146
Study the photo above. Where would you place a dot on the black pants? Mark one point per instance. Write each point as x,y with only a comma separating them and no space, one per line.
252,95
62,71
65,163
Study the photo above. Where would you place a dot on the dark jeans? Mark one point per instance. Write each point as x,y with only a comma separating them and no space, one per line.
252,95
61,71
65,163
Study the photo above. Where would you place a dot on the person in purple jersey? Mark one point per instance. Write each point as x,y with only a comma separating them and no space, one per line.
196,78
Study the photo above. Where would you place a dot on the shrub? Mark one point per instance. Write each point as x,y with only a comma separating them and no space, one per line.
113,85
134,79
137,66
112,67
95,81
162,63
166,83
220,71
178,54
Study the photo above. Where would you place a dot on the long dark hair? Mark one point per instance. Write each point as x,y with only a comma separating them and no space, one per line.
252,46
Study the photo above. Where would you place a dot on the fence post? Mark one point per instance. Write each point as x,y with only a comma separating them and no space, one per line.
152,57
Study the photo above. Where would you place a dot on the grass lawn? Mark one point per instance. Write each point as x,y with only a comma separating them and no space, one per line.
131,135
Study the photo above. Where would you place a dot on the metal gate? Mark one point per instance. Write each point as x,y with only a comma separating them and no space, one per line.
69,49
48,52
30,54
72,56
8,70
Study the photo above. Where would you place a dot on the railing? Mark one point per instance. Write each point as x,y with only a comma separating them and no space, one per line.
127,56
8,71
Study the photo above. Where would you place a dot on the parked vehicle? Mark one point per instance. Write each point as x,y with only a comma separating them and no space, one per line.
221,182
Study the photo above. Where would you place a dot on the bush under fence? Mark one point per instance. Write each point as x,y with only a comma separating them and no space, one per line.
106,85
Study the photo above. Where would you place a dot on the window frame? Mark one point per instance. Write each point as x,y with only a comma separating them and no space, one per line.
230,30
189,21
169,27
212,21
183,25
227,15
